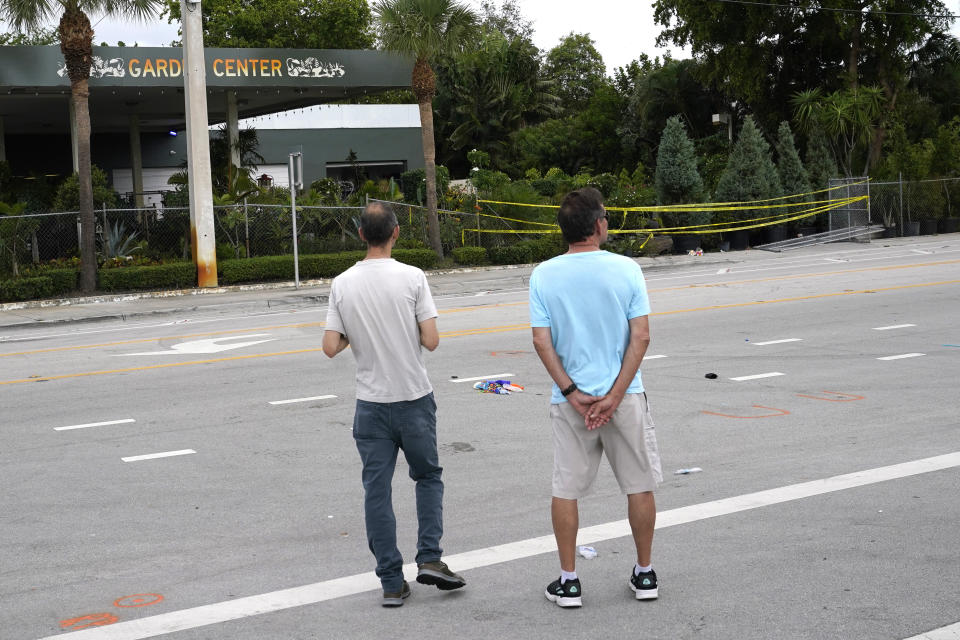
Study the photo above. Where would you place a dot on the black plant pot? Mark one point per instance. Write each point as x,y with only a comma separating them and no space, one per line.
948,225
890,232
928,227
685,243
739,240
911,228
775,233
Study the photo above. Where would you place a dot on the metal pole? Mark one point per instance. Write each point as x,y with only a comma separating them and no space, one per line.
202,237
900,180
295,174
246,225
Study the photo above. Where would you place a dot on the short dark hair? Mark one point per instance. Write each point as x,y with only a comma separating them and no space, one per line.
377,223
578,211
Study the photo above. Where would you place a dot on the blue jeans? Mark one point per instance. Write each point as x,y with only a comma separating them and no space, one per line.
380,430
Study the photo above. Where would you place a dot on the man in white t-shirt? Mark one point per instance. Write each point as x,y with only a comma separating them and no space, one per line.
383,310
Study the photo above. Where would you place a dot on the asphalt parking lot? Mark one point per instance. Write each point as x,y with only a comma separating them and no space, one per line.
183,467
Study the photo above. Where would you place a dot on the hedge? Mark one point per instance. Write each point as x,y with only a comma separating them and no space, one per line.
176,275
470,256
326,265
50,284
519,253
180,275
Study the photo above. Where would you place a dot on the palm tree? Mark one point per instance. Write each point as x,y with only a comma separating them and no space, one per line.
425,30
76,43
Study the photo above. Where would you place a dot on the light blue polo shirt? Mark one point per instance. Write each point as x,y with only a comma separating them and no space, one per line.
587,300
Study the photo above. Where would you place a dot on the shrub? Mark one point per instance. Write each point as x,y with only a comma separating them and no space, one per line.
519,253
470,256
176,275
326,265
25,288
420,258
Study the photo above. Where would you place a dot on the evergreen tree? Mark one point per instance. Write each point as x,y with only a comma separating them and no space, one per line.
821,165
793,176
677,180
750,173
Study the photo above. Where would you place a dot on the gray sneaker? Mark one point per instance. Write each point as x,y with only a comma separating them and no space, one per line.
395,599
439,574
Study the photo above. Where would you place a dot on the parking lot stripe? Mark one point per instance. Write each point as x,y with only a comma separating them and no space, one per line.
894,326
902,356
654,357
317,592
772,374
154,456
94,424
763,344
492,376
302,399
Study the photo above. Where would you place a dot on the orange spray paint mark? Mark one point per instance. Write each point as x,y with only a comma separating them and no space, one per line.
92,620
844,397
138,600
779,412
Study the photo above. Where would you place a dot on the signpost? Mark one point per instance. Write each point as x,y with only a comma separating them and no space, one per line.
295,175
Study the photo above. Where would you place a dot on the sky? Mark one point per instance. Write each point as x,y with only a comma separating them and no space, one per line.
621,29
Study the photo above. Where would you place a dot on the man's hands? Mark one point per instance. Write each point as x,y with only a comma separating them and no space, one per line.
596,410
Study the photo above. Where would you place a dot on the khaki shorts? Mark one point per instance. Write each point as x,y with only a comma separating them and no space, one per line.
628,440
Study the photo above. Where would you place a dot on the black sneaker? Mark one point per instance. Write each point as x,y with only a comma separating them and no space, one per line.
394,598
439,574
566,594
644,585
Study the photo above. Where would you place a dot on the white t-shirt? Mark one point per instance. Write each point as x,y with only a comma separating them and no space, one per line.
378,305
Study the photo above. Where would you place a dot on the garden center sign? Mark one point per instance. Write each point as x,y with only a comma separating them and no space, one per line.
124,81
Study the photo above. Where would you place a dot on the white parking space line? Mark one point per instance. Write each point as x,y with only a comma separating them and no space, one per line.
894,326
902,356
950,632
302,399
758,376
154,456
492,376
653,357
94,424
763,344
238,608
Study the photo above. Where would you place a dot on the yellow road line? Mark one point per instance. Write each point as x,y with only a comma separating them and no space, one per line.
479,306
141,340
483,330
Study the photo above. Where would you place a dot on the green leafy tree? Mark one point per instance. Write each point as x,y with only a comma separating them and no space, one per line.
506,19
44,36
821,164
793,175
76,43
67,195
764,53
485,94
578,70
849,117
750,174
286,24
425,30
660,92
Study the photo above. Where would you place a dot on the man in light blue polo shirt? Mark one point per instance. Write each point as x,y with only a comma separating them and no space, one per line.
589,313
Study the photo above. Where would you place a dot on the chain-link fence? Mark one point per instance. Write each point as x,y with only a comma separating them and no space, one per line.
151,235
921,207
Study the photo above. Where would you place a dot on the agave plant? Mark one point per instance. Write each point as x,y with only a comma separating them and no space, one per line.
117,244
